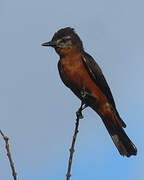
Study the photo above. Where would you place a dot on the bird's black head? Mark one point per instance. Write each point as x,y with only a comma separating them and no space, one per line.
64,40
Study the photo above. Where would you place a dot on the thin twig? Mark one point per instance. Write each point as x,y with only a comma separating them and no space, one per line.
9,155
79,116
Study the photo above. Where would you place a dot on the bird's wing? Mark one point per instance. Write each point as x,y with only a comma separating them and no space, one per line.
97,76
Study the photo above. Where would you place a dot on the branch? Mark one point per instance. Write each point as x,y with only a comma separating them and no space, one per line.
9,155
79,116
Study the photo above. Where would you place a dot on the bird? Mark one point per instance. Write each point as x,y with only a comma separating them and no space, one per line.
81,73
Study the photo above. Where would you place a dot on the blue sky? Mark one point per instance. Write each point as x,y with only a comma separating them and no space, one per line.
37,111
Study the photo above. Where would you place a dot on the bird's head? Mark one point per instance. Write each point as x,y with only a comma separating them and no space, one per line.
65,41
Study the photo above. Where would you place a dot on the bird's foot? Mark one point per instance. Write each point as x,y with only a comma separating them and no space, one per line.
79,114
83,106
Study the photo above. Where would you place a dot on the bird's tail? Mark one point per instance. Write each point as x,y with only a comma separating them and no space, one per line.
118,135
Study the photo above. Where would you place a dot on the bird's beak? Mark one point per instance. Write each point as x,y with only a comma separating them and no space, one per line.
50,43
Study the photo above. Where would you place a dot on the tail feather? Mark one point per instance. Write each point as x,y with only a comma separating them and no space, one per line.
124,144
118,135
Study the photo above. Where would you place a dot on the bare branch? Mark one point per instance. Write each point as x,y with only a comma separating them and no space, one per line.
9,155
79,116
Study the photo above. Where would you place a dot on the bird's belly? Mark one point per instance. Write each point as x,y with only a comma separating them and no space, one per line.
78,79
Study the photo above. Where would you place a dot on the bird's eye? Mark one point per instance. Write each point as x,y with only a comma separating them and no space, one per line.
64,40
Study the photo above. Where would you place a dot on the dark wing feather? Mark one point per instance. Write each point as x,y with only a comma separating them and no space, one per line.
98,77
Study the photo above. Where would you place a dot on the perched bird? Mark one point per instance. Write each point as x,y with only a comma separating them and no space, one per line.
79,72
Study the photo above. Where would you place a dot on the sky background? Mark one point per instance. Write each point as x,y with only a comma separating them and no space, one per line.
37,112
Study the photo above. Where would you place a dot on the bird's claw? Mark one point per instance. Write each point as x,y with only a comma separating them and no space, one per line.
79,114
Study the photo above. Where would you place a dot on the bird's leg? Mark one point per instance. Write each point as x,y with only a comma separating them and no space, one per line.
83,102
79,112
86,99
86,96
82,107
